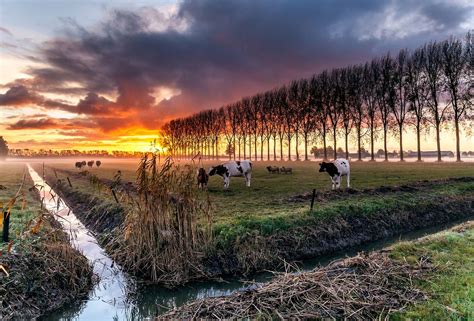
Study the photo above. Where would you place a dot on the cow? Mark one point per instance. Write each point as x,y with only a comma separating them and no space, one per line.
336,169
202,178
98,163
90,163
233,169
79,165
83,163
286,170
273,169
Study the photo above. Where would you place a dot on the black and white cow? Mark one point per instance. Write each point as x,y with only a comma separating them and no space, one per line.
233,169
336,169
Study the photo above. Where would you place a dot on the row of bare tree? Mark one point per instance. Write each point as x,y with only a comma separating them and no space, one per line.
430,86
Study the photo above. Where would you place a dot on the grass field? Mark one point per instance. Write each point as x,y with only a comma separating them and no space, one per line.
451,288
11,177
268,191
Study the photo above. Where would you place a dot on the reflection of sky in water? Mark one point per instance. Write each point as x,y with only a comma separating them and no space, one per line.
118,298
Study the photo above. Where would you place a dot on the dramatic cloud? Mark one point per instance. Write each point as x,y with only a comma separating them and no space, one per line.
42,123
213,52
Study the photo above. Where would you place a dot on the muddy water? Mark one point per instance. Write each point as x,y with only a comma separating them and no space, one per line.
117,297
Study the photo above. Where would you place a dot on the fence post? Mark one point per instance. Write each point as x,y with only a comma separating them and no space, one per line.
6,227
312,199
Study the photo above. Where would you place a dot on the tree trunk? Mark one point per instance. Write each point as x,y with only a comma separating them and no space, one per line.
418,139
250,147
458,144
372,154
281,148
306,147
297,144
385,142
438,140
255,146
274,148
335,142
268,148
289,148
400,128
358,143
324,144
347,144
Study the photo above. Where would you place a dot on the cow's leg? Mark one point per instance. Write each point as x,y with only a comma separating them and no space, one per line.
348,180
226,182
248,176
339,179
333,180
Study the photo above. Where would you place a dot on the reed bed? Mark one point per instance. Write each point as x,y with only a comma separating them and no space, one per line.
367,286
44,272
160,239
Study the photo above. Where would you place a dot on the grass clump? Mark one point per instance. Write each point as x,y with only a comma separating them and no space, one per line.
161,238
451,288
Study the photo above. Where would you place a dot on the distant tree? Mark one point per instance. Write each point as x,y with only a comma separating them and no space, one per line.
3,148
433,68
457,80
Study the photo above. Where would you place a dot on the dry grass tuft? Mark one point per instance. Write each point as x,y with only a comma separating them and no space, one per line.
367,286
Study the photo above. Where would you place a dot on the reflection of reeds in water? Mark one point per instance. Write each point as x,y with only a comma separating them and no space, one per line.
162,239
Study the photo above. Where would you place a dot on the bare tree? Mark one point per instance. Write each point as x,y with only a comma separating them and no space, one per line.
457,81
433,69
400,108
416,92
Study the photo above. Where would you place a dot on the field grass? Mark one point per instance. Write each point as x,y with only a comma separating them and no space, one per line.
451,288
266,197
11,177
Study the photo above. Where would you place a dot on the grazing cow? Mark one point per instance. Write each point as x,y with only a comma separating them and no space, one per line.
79,165
336,169
98,163
286,170
202,178
90,163
233,169
273,169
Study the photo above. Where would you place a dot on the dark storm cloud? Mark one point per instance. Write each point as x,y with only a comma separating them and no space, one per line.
42,123
215,52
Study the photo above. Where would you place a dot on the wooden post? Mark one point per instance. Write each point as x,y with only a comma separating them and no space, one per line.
6,227
69,181
312,199
115,196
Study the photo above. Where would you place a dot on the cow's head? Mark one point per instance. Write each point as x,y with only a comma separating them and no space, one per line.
322,167
329,168
212,171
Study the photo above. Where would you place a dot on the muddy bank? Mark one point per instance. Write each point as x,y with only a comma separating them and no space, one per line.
45,273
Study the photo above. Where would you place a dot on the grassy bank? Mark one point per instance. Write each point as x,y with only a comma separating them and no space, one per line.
41,270
428,279
450,289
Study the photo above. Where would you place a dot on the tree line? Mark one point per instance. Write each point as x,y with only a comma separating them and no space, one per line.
429,86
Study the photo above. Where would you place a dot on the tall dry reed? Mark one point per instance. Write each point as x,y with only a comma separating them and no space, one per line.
167,226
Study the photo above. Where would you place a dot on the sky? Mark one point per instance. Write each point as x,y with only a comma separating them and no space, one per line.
108,74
